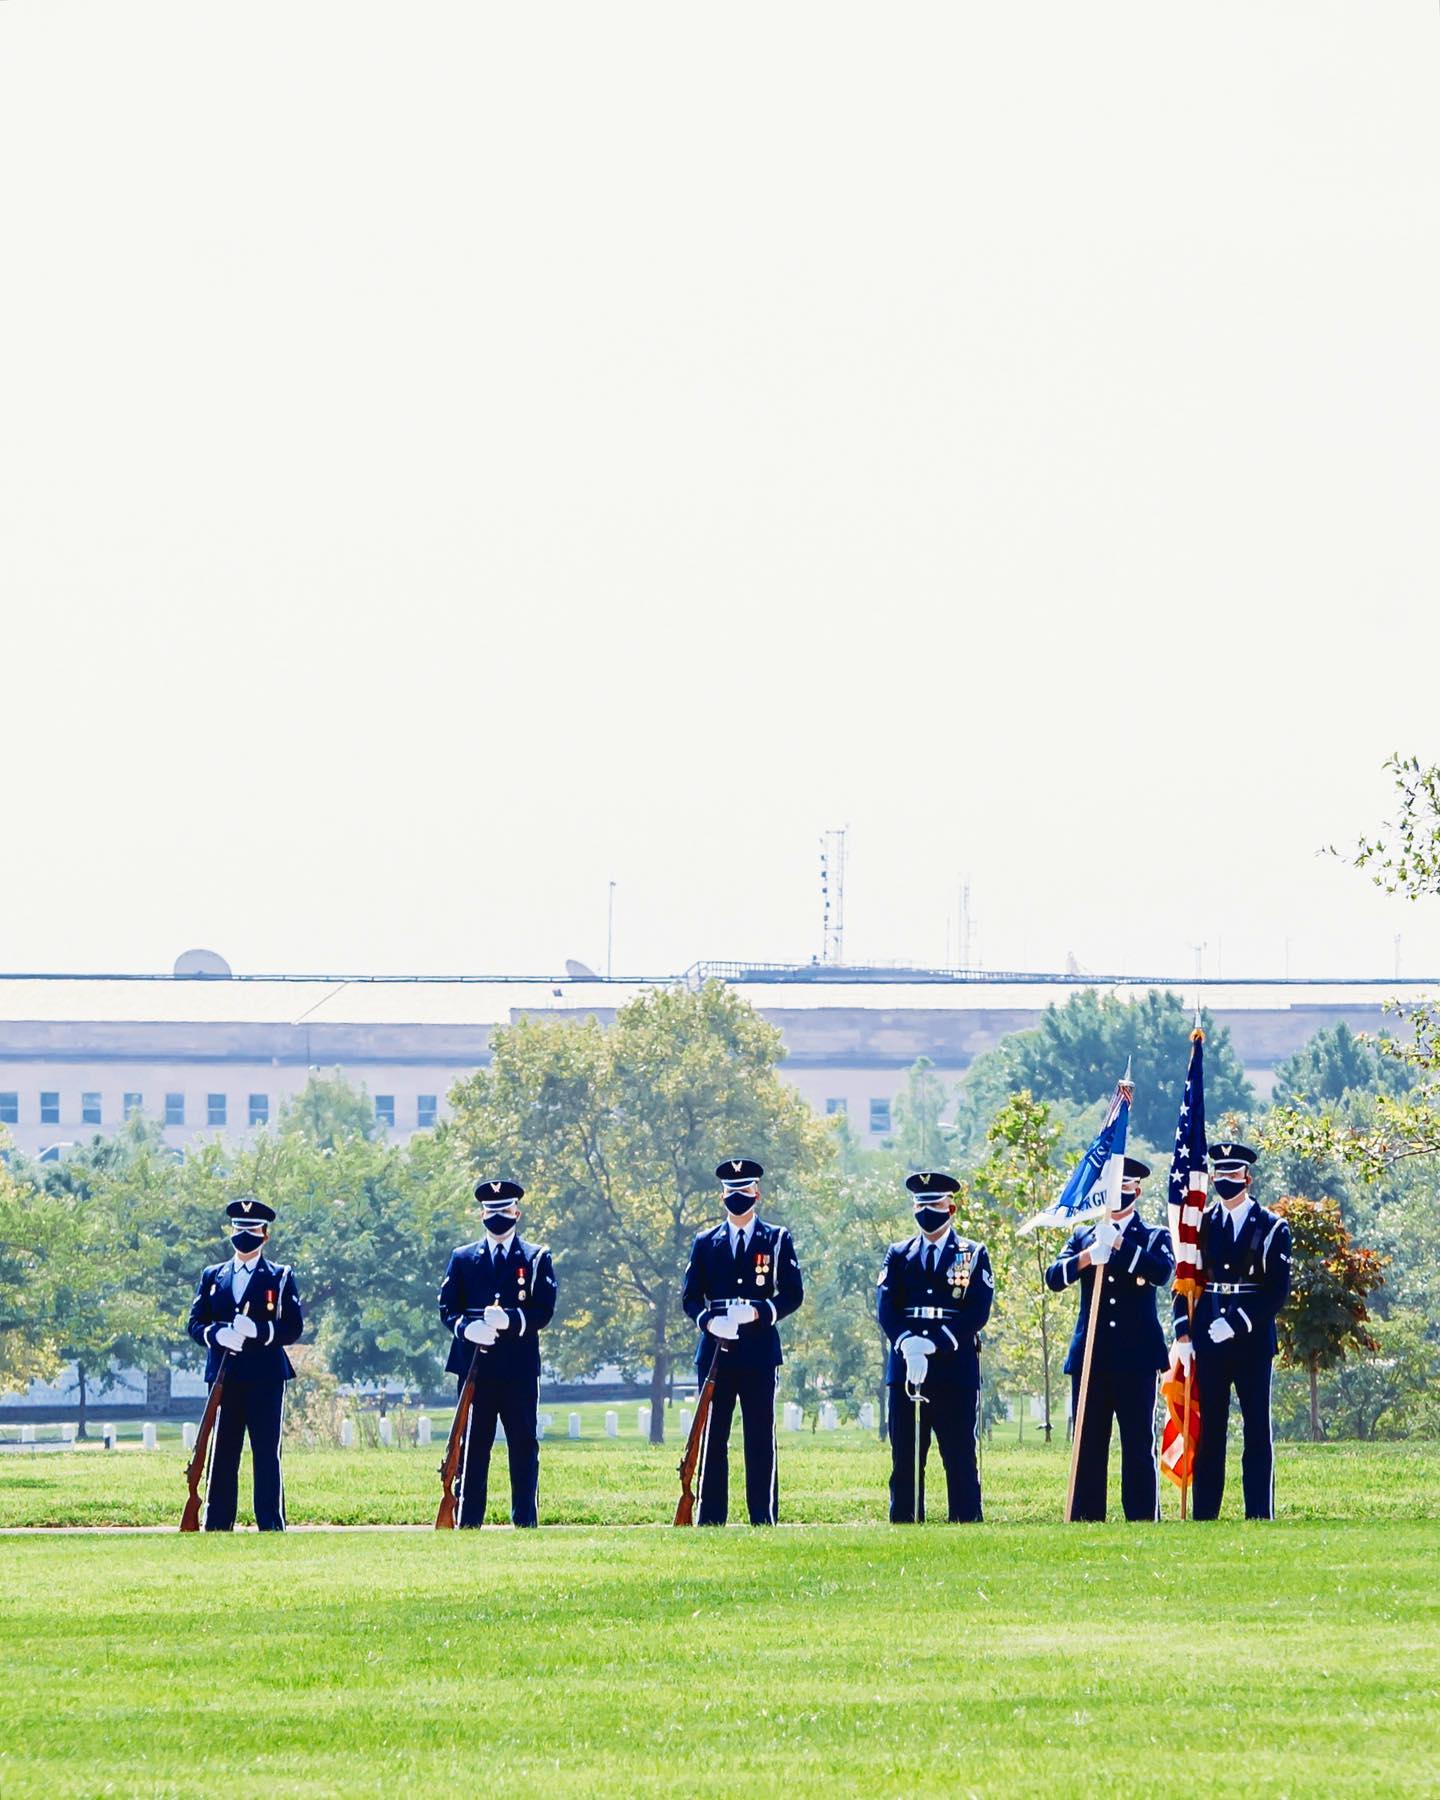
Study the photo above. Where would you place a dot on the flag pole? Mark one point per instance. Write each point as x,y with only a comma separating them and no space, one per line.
1079,1420
1185,1415
1127,1090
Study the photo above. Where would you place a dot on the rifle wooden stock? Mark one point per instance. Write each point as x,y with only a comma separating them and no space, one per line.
198,1471
455,1448
685,1509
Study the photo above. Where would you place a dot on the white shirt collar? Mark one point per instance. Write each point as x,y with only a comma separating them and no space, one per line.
1237,1215
499,1244
740,1233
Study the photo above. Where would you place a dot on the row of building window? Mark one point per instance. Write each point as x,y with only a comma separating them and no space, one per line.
217,1109
879,1112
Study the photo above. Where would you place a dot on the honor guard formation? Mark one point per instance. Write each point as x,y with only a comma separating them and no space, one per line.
934,1296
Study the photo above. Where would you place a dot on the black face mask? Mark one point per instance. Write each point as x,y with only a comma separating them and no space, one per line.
498,1223
931,1218
1228,1189
739,1203
246,1241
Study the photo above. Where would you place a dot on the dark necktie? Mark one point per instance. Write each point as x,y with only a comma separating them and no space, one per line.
931,1256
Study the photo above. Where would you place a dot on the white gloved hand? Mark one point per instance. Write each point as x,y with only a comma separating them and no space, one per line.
1221,1331
723,1327
1184,1352
230,1338
1099,1252
744,1314
478,1332
245,1325
497,1318
1108,1233
917,1352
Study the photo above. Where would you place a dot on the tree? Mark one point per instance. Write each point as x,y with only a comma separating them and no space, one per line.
1333,1063
615,1134
917,1134
834,1348
1078,1051
1326,1313
31,1239
1020,1176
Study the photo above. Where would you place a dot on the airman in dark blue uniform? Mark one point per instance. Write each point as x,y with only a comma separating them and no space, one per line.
498,1295
244,1313
1245,1265
743,1278
1124,1261
936,1290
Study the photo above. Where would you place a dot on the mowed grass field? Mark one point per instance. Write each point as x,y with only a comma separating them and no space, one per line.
1017,1657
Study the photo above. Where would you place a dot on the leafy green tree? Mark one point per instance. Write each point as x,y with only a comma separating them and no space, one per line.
32,1242
834,1348
1078,1051
1326,1314
615,1134
328,1112
917,1134
1022,1174
1334,1063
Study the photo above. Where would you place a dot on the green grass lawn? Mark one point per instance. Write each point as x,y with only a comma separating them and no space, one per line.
871,1660
836,1477
1017,1657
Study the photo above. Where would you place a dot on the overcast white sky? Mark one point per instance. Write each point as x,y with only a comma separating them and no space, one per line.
454,456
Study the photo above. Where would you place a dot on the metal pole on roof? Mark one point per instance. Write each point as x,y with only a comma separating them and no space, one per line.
610,935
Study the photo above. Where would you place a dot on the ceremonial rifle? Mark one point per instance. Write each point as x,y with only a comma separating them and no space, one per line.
450,1469
685,1510
198,1473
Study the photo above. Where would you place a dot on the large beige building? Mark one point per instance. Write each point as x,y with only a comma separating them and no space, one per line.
217,1055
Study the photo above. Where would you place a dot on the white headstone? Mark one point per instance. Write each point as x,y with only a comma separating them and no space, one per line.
687,1418
575,1425
642,1420
67,1432
543,1422
109,1436
612,1424
794,1416
829,1419
147,1436
188,1434
347,1434
387,1432
422,1430
27,1434
867,1416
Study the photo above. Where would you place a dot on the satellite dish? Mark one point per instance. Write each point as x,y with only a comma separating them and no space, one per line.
578,971
202,963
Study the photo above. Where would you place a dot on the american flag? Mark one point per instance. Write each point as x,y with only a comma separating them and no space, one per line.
1189,1179
1189,1174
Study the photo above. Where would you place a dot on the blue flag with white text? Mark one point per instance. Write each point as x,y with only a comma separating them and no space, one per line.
1095,1185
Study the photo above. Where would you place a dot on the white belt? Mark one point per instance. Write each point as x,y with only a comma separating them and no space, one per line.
932,1312
1232,1287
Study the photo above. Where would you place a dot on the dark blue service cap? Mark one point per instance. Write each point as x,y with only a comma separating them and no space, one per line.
932,1183
498,1193
1232,1156
250,1211
739,1173
1135,1169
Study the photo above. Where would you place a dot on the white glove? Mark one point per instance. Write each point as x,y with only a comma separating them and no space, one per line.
744,1314
1184,1352
723,1327
1108,1233
245,1325
917,1352
1221,1331
478,1332
497,1318
230,1338
1100,1252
